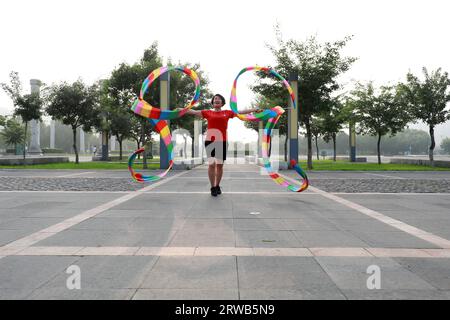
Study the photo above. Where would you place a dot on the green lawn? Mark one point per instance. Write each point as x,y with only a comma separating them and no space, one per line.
361,166
317,165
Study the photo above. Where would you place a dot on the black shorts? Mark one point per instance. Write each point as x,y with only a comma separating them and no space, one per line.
216,149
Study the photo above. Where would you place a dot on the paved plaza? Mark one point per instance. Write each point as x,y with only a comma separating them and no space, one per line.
173,240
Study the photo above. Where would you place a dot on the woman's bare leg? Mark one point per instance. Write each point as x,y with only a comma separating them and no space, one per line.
212,173
219,173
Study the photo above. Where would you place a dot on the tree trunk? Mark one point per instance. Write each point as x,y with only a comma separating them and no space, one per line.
144,154
379,148
334,147
120,140
308,136
138,143
432,145
285,147
74,131
24,142
317,147
270,147
185,147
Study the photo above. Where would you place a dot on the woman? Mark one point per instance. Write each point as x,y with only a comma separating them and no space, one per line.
216,138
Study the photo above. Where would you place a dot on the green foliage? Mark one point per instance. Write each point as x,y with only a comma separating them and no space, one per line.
13,133
445,145
379,113
28,106
428,99
318,66
75,105
123,88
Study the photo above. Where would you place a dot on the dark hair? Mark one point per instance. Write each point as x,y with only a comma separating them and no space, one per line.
221,98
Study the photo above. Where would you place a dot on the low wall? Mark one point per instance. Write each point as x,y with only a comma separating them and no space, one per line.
421,162
30,161
187,164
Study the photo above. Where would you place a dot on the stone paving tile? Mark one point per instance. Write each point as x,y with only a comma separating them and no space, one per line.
107,272
354,273
7,236
293,273
396,239
434,271
339,238
114,238
205,273
292,294
82,294
266,238
20,272
186,294
14,294
396,294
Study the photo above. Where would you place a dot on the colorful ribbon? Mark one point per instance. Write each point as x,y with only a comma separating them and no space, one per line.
272,115
158,117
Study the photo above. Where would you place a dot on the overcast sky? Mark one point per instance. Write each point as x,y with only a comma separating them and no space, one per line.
63,40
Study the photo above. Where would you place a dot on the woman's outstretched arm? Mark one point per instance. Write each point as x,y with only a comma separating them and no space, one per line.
196,113
251,111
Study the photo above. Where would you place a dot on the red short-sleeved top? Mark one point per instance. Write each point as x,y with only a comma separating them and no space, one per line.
217,124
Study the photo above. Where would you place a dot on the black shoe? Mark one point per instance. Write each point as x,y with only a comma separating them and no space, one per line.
218,191
214,191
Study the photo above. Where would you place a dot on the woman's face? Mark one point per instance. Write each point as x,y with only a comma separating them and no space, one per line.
217,103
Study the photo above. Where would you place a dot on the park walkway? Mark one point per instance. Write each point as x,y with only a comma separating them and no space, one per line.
172,240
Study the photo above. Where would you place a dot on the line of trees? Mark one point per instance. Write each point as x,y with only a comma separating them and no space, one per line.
103,106
324,110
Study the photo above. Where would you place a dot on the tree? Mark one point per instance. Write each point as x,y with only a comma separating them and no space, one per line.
28,106
379,114
125,84
181,91
75,105
13,132
332,122
428,100
116,114
318,67
262,102
445,145
316,131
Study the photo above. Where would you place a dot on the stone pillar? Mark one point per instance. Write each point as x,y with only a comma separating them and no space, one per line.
352,141
164,101
52,134
260,137
35,144
82,145
113,143
196,138
293,120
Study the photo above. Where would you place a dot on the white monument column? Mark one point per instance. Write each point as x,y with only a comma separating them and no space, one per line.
52,134
35,144
82,146
113,143
196,142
